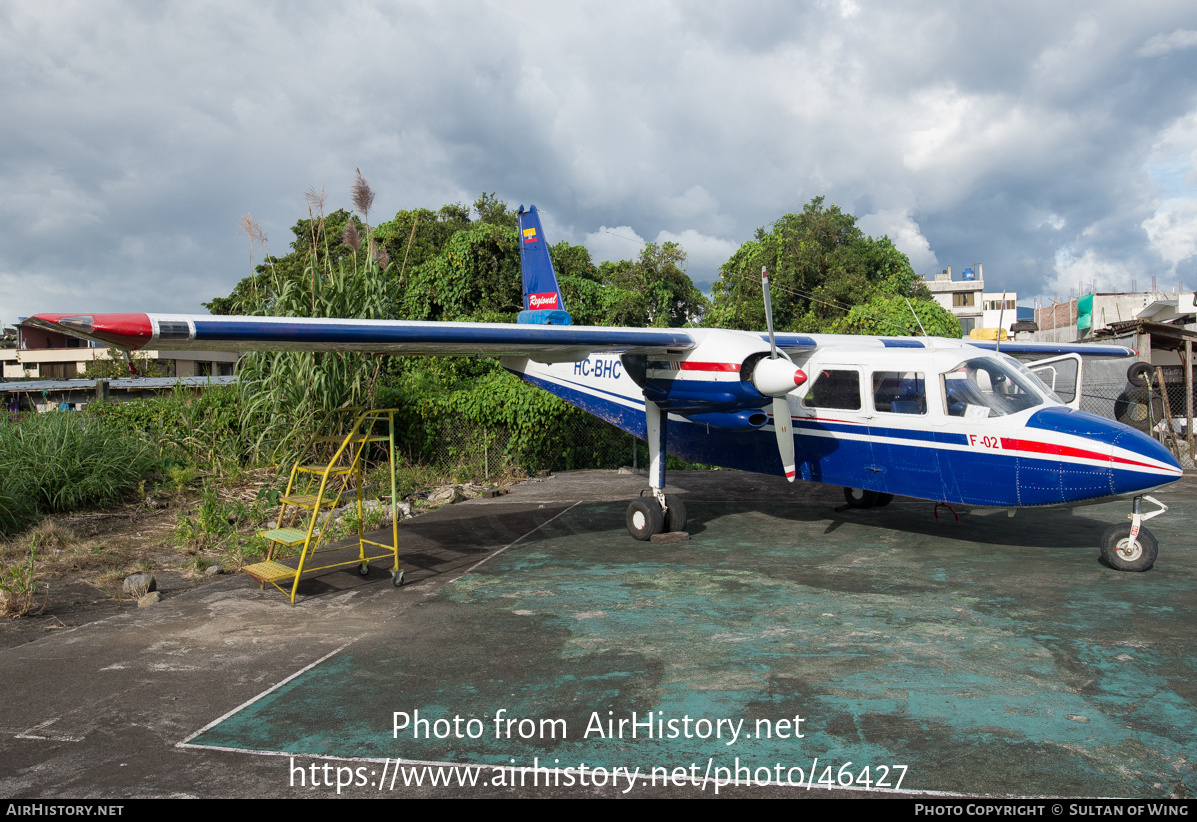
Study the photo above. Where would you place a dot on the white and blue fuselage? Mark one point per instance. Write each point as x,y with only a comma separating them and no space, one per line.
927,446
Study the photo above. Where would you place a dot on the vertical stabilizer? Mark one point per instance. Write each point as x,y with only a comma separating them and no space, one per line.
543,304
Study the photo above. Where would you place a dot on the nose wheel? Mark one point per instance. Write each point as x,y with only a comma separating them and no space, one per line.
1130,546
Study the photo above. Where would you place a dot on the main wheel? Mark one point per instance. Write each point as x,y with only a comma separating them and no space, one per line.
645,519
884,500
1117,552
860,498
675,517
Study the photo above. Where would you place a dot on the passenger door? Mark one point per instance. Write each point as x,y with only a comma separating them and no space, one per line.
833,443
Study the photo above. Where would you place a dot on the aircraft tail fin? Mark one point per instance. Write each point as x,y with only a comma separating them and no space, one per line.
543,304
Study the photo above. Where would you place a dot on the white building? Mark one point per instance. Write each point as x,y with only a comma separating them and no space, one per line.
48,355
1080,319
970,303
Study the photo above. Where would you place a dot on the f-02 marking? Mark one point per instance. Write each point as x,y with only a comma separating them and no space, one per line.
599,367
985,441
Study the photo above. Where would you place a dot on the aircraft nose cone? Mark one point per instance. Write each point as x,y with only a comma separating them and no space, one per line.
1136,461
1139,462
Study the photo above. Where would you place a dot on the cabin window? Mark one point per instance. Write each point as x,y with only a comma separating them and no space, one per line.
899,392
985,387
835,389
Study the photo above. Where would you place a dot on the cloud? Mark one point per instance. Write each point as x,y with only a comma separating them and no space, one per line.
136,136
614,244
1164,43
906,236
1172,230
704,254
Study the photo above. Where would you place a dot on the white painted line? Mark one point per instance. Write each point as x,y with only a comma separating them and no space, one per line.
186,742
267,692
516,542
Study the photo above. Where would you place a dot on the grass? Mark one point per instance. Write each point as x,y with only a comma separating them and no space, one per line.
62,461
18,587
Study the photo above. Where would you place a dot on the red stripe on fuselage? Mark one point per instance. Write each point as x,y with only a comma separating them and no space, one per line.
687,365
1032,446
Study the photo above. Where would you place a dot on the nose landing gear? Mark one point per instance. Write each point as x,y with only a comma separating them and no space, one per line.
1131,547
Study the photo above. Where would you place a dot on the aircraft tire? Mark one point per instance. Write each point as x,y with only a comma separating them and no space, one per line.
860,498
675,517
1131,408
1114,543
883,500
645,519
1138,373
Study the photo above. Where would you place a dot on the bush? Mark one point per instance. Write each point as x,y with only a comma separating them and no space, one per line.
61,461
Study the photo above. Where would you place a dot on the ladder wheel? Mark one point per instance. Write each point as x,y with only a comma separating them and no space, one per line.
396,578
364,569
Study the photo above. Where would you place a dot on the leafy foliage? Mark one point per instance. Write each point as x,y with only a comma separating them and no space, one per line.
820,267
884,315
109,367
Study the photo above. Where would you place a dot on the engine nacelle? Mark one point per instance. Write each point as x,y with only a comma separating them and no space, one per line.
748,420
776,378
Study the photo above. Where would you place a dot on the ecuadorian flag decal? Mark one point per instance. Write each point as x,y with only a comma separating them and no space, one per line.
529,235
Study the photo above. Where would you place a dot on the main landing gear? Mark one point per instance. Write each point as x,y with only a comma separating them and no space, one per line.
646,516
1131,547
860,498
655,514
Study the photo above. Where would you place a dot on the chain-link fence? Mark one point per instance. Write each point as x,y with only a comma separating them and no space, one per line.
469,451
1107,392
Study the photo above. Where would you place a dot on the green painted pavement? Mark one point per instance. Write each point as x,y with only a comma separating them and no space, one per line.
994,657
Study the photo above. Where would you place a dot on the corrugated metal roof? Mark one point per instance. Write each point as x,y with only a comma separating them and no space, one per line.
122,382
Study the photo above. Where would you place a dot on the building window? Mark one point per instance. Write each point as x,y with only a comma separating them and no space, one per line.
967,324
965,298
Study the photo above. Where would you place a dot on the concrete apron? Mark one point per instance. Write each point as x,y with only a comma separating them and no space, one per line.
995,657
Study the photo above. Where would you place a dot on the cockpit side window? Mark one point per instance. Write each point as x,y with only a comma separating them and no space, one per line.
899,392
834,389
984,387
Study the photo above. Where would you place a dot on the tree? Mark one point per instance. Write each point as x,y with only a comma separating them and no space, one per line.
655,290
108,367
896,316
820,267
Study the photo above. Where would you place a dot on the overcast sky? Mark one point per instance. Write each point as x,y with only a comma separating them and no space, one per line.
1054,142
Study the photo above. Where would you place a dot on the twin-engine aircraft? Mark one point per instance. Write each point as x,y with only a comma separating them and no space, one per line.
943,420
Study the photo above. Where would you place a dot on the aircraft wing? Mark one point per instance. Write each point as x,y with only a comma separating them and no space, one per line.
796,343
182,332
1046,348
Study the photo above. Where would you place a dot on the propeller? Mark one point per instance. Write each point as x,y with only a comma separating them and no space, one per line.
777,377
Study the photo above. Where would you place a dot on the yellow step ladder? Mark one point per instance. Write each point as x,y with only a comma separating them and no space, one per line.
317,487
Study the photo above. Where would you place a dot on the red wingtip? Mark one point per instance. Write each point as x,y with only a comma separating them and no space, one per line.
130,331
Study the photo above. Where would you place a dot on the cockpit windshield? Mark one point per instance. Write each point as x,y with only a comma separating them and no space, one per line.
987,387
